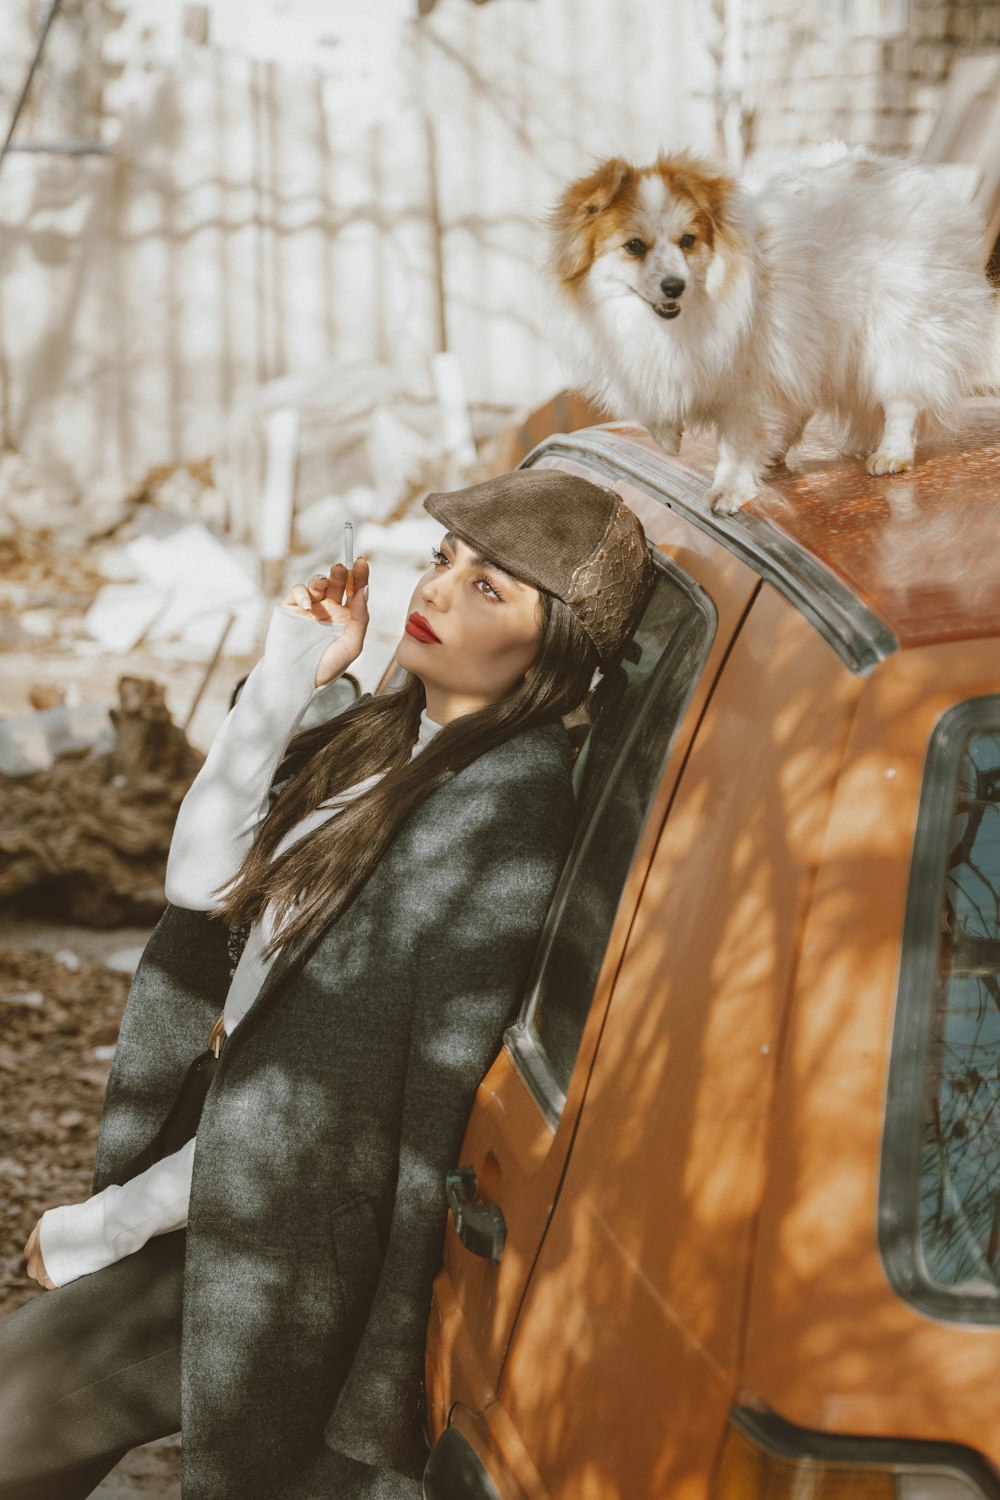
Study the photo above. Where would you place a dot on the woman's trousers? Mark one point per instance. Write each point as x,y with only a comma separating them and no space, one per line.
89,1371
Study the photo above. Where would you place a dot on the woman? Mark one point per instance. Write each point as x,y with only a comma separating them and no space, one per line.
255,1270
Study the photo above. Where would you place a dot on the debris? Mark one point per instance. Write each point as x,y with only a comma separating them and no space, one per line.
23,997
33,501
46,695
67,958
125,961
361,423
122,613
274,516
189,583
32,742
40,623
29,499
396,452
334,405
209,670
104,1054
187,490
320,526
11,633
87,839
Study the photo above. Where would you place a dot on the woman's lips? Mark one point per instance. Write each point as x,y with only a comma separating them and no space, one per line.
418,627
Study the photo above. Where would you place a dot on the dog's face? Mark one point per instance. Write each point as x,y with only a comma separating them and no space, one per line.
652,233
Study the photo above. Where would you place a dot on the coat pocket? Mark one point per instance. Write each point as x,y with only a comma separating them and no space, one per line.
357,1253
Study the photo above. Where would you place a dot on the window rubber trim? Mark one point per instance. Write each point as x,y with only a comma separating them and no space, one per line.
784,1440
860,637
899,1173
520,1038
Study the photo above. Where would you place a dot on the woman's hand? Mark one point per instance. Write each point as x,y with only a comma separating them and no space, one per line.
36,1265
322,598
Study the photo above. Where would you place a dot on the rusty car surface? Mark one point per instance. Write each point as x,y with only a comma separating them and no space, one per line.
728,1220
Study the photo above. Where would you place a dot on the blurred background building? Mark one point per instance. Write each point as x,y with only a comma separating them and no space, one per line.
201,199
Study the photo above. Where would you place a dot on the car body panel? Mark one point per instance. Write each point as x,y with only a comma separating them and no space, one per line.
517,1155
700,1228
832,1345
657,1212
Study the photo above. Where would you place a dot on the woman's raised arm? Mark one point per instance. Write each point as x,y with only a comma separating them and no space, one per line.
228,799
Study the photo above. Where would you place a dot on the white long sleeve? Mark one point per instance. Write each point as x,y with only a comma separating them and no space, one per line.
76,1239
79,1238
228,798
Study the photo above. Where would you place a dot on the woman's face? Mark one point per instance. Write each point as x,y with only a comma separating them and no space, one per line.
472,631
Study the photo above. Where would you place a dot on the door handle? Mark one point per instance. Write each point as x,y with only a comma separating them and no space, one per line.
480,1226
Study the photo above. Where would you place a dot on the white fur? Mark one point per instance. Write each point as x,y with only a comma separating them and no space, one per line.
846,283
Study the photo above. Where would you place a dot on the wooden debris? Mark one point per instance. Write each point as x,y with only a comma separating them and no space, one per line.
86,841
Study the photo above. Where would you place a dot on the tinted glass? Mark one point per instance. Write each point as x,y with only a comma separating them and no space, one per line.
960,1162
631,720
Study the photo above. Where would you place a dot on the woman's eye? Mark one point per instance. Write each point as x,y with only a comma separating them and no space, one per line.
438,557
487,583
686,241
635,247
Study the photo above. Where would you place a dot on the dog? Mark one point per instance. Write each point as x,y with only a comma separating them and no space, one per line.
839,282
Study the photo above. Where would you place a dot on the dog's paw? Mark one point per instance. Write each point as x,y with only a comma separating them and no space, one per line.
725,503
890,461
727,496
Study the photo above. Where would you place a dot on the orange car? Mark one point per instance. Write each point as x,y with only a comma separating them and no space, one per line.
726,1221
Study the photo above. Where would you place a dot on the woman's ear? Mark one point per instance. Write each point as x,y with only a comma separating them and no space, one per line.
574,220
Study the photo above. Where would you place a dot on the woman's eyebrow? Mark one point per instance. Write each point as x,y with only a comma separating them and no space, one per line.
478,561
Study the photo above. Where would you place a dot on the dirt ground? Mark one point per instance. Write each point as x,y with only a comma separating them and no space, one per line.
60,1008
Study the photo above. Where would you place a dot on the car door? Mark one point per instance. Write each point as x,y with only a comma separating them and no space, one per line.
634,732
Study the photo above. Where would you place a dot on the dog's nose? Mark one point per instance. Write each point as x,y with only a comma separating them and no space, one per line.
672,286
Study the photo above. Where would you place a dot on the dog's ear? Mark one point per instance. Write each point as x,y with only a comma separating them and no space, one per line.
707,190
592,195
573,219
712,194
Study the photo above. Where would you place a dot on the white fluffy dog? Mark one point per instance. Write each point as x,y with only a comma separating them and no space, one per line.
840,282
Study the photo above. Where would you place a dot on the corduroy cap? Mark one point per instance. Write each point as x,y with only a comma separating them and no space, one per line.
564,534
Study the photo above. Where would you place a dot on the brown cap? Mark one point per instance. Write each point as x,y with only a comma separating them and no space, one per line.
575,539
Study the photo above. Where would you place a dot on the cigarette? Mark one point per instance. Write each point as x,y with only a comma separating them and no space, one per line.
349,557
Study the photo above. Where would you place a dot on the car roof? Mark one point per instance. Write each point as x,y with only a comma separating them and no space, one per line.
883,563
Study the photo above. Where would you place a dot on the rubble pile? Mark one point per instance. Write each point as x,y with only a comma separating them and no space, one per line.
59,1018
87,839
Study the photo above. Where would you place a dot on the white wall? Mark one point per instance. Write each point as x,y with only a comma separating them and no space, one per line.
267,206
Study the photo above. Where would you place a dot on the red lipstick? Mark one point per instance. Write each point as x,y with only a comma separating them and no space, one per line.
418,627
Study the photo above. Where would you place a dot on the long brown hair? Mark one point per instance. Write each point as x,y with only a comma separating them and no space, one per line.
316,879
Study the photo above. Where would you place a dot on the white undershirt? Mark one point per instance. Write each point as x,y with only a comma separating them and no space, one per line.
215,827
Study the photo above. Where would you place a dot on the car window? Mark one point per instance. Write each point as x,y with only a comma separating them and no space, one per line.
626,728
943,1143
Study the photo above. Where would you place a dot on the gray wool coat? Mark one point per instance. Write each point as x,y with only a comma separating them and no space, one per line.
337,1106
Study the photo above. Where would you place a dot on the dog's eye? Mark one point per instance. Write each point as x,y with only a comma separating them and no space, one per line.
635,247
686,241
